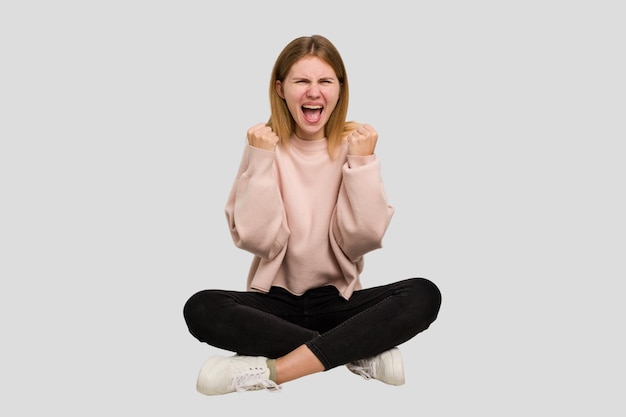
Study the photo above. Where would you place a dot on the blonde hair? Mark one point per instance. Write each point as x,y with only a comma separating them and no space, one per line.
281,121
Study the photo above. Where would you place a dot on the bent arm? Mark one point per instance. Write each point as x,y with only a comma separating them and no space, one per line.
362,214
254,210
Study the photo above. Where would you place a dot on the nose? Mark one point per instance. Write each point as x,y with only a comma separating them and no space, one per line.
313,91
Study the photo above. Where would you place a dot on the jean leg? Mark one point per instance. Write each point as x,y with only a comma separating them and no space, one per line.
378,319
244,322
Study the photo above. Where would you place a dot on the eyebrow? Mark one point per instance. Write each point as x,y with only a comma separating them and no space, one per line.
326,78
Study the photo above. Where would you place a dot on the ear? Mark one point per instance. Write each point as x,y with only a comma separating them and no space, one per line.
279,89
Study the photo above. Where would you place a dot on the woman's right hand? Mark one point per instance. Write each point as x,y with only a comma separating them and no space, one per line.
262,136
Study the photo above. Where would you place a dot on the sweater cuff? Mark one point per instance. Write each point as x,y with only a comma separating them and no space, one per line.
259,160
355,161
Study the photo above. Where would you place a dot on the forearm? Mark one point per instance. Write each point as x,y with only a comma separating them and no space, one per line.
363,212
254,210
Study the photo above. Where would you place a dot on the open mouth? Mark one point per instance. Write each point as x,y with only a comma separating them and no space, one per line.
312,114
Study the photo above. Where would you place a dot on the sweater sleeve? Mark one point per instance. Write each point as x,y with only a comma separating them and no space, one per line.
362,214
254,210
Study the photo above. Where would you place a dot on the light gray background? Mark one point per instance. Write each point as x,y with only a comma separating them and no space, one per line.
501,134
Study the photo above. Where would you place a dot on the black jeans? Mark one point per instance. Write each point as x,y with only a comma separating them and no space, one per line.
336,330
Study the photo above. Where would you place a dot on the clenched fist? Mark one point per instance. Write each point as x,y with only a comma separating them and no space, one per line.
362,141
262,136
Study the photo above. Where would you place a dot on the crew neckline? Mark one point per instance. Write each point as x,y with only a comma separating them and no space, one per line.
308,145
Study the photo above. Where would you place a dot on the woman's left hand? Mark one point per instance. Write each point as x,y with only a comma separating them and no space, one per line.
362,141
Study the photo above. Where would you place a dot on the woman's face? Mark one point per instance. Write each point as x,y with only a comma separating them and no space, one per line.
311,91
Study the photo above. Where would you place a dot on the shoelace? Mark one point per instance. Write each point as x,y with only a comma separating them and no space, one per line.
363,368
252,379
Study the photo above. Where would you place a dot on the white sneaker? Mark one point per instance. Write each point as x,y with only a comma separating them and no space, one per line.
222,375
386,367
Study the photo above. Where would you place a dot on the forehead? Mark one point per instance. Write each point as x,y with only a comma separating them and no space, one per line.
311,67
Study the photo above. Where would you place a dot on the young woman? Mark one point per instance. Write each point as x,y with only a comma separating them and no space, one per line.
308,202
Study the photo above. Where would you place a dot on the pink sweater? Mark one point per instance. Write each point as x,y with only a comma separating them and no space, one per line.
307,219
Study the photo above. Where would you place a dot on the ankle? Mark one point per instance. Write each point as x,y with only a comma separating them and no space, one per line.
271,364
